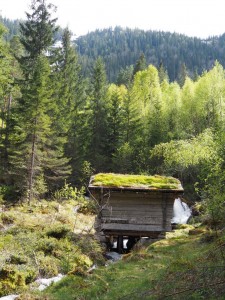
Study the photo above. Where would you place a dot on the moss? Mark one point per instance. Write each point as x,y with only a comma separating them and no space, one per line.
135,181
14,278
48,266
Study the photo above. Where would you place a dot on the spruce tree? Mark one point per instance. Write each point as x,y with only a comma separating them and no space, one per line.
38,31
140,64
98,116
9,91
115,122
69,94
33,129
39,159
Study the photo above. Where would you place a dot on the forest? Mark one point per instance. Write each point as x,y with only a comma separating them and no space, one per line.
120,49
59,125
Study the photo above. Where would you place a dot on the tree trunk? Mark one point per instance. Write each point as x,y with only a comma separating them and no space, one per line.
31,171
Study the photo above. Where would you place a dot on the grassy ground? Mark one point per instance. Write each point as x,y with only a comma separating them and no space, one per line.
48,238
183,266
42,240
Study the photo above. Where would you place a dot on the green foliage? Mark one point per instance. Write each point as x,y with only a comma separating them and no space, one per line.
98,116
7,192
122,159
185,153
68,192
87,206
140,64
7,218
190,160
86,172
48,266
38,30
15,279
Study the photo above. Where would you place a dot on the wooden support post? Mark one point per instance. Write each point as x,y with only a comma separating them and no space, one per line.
120,244
164,210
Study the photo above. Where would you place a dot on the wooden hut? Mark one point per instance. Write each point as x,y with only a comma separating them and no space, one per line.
134,205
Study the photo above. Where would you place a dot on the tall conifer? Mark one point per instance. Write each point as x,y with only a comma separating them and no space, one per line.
39,160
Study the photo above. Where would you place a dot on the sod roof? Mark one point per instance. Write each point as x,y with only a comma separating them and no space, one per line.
156,182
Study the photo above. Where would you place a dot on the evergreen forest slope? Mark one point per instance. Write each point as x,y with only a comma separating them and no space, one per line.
121,48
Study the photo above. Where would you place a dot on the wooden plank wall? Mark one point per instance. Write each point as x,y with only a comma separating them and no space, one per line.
135,211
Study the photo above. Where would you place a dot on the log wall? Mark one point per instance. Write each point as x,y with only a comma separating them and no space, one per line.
135,213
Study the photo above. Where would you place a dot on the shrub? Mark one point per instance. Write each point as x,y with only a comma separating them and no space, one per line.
68,192
8,193
47,265
87,206
92,247
14,279
58,232
17,259
47,245
7,218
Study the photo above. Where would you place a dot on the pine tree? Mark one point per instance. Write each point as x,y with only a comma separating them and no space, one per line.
8,92
115,122
39,156
34,128
70,95
140,64
98,116
183,74
163,74
38,31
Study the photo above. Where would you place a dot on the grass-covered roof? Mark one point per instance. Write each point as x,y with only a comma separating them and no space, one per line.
135,181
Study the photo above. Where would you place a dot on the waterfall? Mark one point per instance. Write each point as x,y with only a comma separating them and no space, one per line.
181,212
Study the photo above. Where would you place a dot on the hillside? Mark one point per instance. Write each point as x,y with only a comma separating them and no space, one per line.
188,264
122,47
13,28
180,267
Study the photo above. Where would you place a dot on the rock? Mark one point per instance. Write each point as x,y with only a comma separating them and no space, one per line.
2,209
114,256
144,242
45,282
90,270
196,231
2,227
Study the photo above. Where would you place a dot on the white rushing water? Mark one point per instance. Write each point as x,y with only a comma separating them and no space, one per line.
43,283
9,297
181,212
